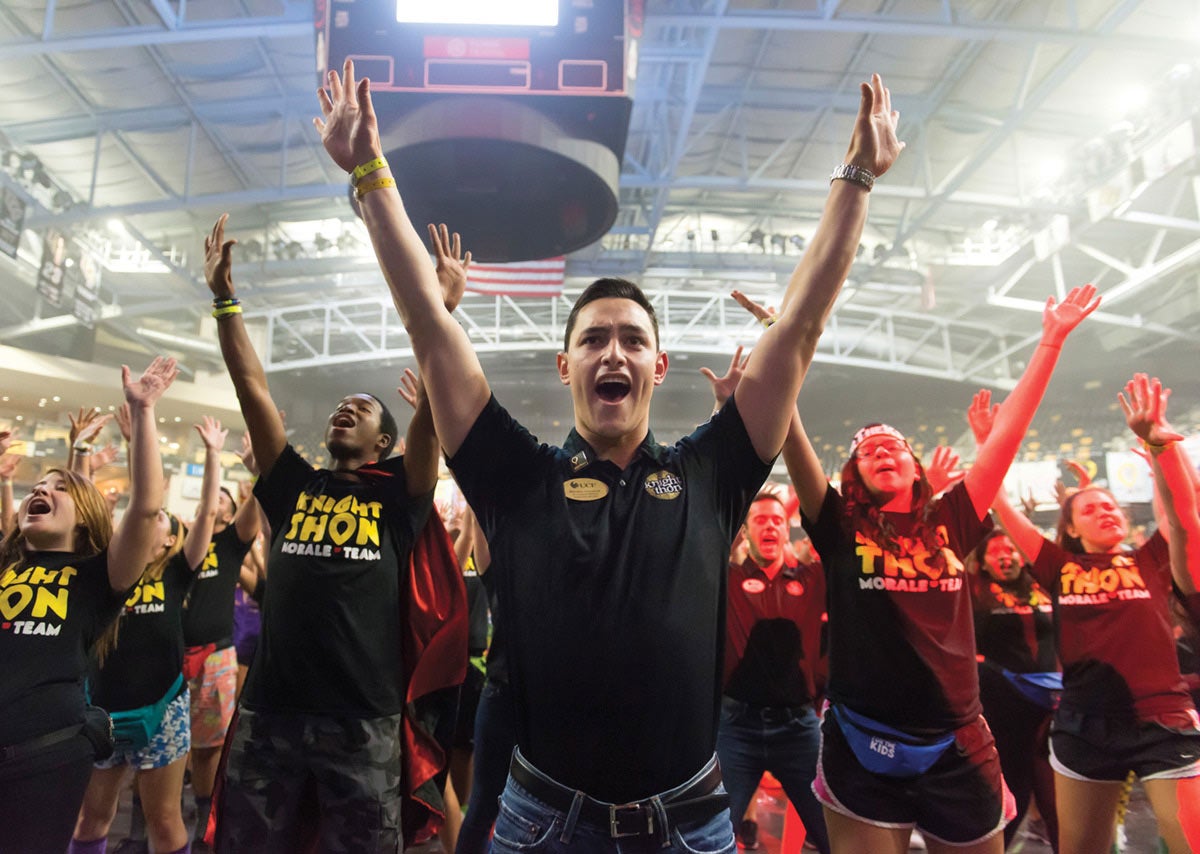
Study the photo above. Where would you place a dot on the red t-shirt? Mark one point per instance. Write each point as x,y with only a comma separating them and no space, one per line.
1114,630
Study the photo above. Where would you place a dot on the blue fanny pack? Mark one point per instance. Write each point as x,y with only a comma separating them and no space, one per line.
132,729
883,750
1041,689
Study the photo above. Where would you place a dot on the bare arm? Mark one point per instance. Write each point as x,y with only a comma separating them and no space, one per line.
981,415
768,390
457,388
247,520
1145,405
199,536
132,542
249,380
8,467
1012,421
421,452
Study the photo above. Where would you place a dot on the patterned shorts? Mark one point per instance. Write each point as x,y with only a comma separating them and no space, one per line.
214,694
171,741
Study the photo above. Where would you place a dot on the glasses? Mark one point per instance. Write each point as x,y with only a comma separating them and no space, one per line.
890,446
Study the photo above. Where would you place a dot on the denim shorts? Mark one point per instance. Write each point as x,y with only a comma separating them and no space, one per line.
525,824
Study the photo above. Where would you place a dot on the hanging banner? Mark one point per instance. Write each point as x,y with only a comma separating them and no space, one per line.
50,275
12,220
82,283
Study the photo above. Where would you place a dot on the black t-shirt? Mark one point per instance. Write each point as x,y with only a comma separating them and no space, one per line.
1115,638
330,640
53,608
612,591
773,634
1014,625
901,633
477,611
208,617
149,653
497,656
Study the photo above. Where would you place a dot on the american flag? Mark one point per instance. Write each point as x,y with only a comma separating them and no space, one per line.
523,279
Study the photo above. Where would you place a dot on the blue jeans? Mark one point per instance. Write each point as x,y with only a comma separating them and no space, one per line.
786,742
495,737
525,824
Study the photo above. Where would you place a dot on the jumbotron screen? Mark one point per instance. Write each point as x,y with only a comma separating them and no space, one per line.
513,13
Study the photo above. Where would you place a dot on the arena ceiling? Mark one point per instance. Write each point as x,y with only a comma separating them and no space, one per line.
1049,144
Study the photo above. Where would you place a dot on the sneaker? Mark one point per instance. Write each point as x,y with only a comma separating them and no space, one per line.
747,835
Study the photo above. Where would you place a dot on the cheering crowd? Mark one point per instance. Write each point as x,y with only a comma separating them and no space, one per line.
931,662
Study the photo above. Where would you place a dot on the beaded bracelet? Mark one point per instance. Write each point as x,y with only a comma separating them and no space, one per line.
224,302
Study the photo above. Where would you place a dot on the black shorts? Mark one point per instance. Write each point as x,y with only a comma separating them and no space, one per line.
468,705
960,800
1101,749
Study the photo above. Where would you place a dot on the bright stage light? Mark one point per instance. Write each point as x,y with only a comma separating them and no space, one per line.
517,13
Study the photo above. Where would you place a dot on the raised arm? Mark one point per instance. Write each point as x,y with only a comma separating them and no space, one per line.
247,519
1012,421
453,376
421,451
981,415
195,544
249,379
1145,405
8,468
768,390
133,541
85,427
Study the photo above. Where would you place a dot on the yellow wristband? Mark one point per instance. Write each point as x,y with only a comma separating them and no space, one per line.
365,169
1151,446
377,184
226,311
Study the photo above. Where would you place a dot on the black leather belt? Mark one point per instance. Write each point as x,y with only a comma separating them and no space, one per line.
697,802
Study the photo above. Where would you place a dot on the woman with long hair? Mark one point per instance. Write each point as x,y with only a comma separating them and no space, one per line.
140,680
904,744
65,575
1018,673
1124,706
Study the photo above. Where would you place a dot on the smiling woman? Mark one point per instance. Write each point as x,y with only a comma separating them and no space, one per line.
66,574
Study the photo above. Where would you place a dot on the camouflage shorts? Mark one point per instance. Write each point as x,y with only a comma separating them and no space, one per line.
292,777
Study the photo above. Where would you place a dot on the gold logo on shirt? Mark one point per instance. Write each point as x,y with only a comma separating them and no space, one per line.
585,489
664,485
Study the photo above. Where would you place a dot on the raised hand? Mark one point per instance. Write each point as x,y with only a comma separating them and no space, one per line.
451,264
246,455
1144,403
873,144
87,424
8,465
150,386
104,457
211,433
1081,473
218,261
124,421
7,437
765,316
943,470
1058,319
981,415
724,387
410,388
348,127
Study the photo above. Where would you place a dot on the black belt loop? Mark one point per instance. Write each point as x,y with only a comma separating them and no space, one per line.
664,827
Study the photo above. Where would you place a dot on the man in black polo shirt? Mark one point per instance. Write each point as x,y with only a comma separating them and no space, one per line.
612,550
773,639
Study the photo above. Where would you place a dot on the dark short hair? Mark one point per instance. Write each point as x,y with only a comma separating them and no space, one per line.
604,289
232,500
768,495
387,425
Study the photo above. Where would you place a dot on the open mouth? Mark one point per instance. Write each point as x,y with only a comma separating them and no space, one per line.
612,390
346,421
37,507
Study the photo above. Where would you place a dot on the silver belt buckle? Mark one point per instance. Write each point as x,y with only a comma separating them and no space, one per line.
615,833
